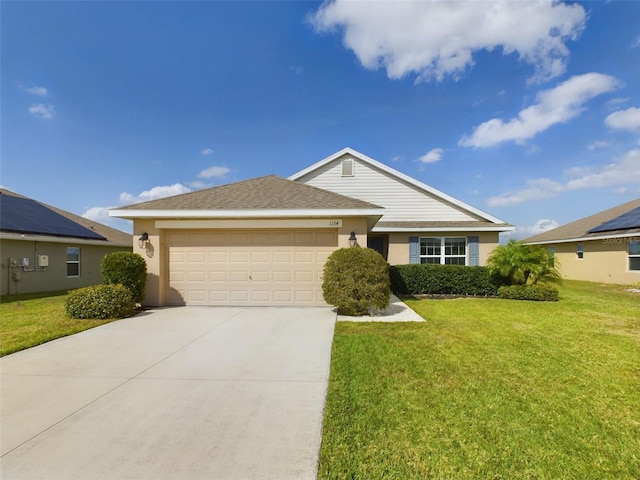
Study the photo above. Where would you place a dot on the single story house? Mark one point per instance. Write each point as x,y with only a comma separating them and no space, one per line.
45,248
604,247
265,241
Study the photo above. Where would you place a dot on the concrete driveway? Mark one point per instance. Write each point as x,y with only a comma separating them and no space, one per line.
181,393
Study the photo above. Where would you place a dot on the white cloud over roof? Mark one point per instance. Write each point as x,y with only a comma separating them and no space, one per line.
622,171
556,105
434,39
214,172
154,193
432,156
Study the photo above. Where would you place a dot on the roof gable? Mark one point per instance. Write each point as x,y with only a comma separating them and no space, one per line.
404,198
263,193
588,227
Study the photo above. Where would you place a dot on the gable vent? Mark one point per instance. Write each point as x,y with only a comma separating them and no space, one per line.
347,167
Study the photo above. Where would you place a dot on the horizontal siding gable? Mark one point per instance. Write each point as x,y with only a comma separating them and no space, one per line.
402,201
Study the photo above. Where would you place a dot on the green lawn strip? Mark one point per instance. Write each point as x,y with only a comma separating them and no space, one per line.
489,388
27,320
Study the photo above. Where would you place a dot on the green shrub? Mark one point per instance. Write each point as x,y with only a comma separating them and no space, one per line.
100,301
355,280
541,292
128,269
432,279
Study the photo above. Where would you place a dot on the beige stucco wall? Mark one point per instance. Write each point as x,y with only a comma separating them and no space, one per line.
399,244
605,261
53,277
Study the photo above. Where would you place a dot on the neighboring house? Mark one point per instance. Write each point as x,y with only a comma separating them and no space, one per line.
45,248
604,247
265,241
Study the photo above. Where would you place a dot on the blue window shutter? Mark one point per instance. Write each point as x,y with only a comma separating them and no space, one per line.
414,250
474,251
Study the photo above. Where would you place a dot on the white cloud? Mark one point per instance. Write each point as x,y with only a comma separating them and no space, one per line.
597,144
214,172
432,156
537,189
38,91
540,226
628,119
207,151
623,171
556,105
101,215
41,110
396,158
297,69
434,39
155,193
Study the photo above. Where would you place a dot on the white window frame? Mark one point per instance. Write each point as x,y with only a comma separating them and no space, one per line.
635,255
73,262
441,256
580,251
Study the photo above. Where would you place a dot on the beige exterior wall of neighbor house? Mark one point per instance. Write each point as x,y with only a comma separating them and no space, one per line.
53,277
604,260
227,265
399,244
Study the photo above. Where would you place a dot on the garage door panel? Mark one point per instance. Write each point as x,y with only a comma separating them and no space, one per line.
261,257
241,276
282,276
258,276
218,276
250,267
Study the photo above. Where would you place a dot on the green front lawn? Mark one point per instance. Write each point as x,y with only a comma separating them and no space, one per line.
489,389
31,319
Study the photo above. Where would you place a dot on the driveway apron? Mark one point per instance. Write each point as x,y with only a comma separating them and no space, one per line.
173,393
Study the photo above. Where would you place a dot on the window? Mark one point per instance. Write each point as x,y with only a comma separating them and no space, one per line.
443,250
347,167
552,256
73,261
580,250
633,247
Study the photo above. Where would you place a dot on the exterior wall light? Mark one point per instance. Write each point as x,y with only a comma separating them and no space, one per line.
143,240
353,241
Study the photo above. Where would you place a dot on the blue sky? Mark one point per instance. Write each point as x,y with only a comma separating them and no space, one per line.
529,111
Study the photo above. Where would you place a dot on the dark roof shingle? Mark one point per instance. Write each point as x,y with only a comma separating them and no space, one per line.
268,193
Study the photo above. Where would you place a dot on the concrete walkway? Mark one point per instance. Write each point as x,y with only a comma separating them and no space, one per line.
175,393
397,311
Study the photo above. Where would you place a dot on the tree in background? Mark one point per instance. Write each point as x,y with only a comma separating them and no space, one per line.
521,264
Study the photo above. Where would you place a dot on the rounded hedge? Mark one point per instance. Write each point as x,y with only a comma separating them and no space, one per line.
355,280
100,302
128,269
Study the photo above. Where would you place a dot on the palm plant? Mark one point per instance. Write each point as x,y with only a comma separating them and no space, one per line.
520,263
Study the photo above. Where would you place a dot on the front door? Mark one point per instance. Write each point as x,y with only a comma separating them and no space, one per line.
379,243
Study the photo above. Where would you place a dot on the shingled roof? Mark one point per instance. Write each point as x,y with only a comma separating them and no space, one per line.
580,228
263,193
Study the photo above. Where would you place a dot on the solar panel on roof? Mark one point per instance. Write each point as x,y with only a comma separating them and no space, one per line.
23,215
631,219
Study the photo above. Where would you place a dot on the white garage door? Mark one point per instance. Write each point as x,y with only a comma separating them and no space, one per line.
252,267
